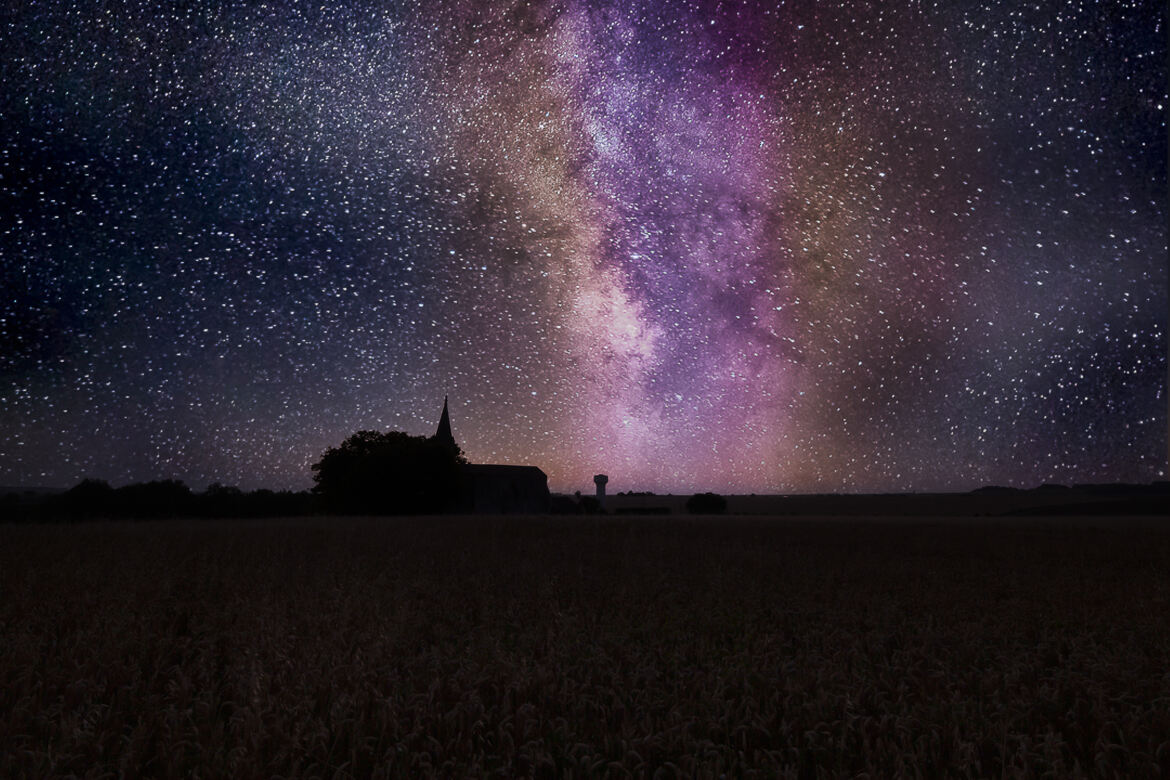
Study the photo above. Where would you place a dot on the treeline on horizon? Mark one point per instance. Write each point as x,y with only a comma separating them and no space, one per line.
95,499
394,473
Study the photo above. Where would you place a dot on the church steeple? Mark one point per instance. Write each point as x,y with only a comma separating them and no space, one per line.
443,434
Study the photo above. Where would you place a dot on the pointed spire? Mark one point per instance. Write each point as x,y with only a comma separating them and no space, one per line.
443,434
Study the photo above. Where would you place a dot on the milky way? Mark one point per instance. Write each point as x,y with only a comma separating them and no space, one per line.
754,247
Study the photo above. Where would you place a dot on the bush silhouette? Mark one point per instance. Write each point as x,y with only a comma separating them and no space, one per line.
706,504
390,473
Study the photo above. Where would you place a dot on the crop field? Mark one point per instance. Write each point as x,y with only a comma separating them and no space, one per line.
582,647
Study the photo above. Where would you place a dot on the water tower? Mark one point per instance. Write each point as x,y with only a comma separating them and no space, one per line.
600,480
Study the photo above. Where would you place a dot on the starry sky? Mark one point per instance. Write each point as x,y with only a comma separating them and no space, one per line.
742,247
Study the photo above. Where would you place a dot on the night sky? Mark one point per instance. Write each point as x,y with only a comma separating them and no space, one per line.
742,247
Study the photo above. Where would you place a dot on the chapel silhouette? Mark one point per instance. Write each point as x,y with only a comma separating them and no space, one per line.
491,488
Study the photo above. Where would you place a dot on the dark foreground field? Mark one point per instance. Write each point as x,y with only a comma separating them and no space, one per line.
583,647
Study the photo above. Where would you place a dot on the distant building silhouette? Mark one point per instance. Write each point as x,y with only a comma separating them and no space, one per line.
497,488
501,489
600,480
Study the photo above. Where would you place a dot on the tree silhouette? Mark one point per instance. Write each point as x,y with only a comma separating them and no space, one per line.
89,497
390,473
157,498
